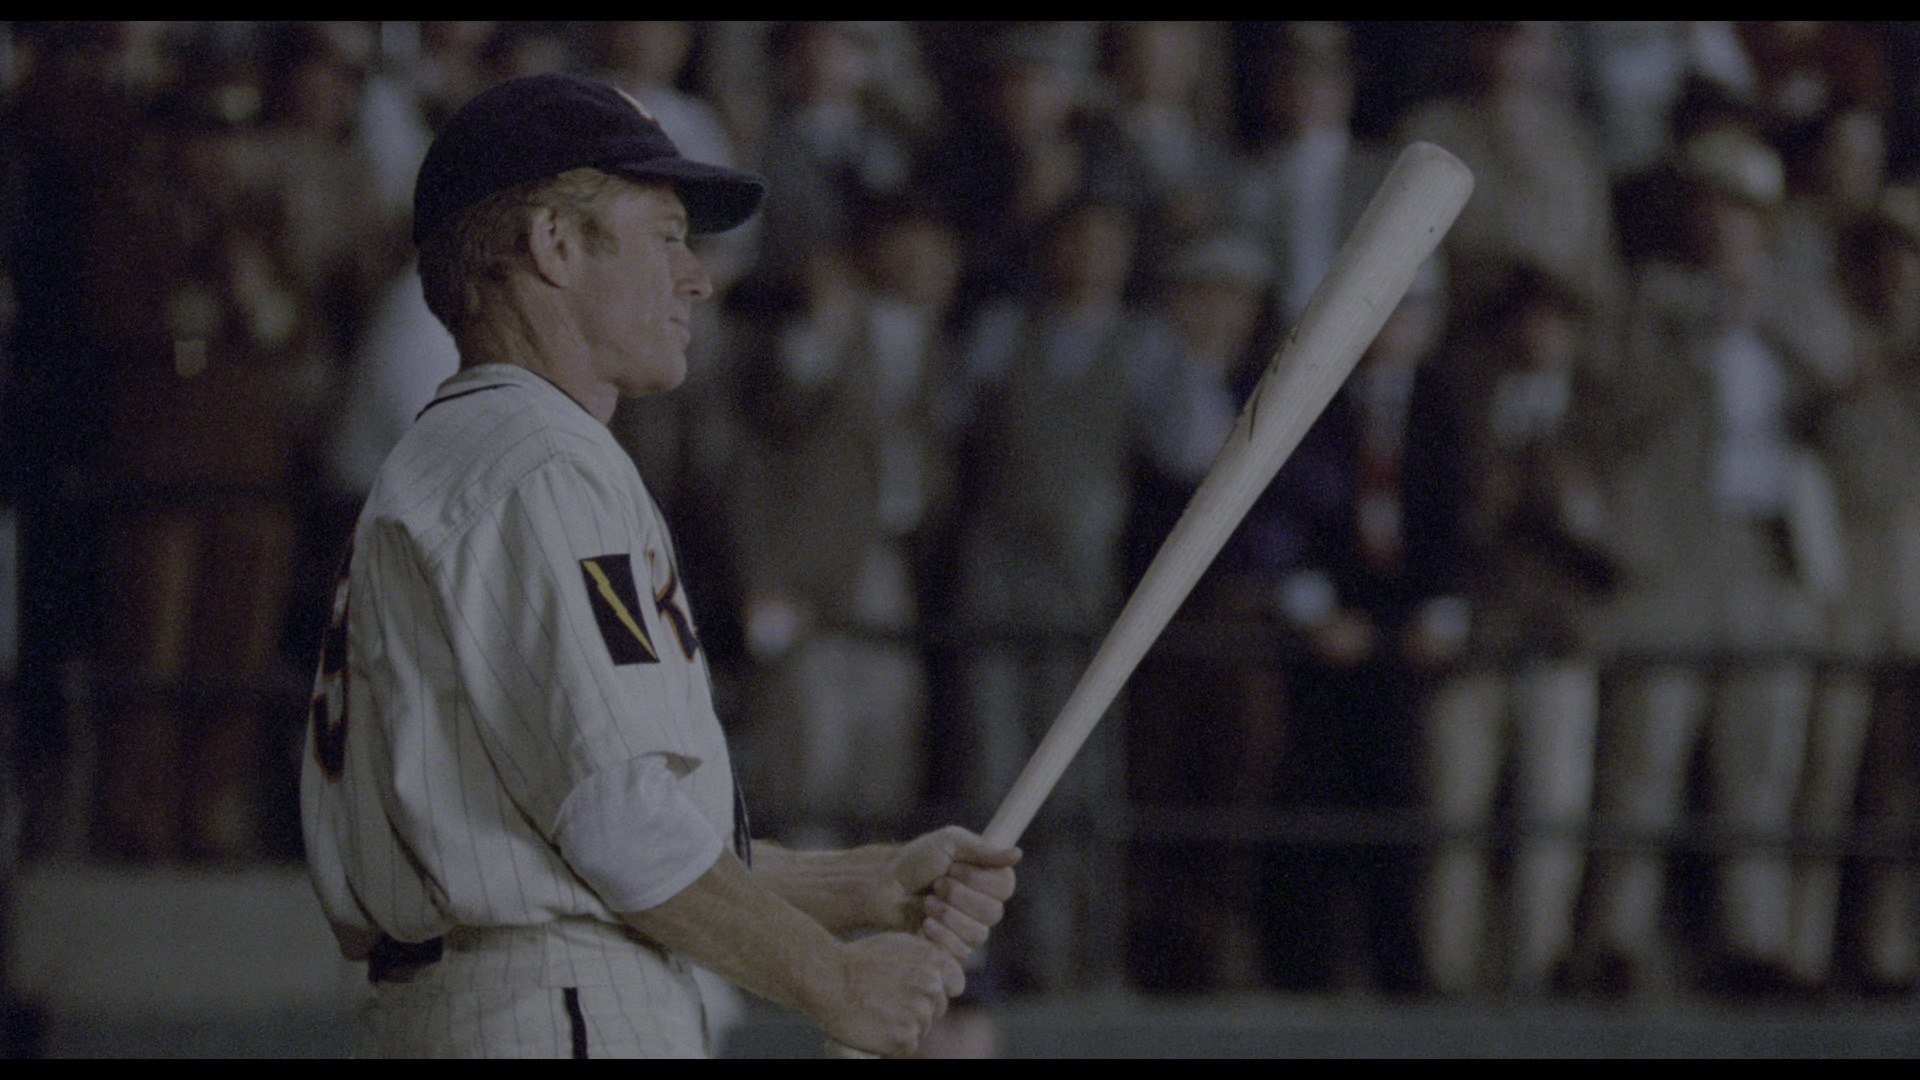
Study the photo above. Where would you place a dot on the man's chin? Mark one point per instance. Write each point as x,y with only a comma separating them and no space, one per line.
657,382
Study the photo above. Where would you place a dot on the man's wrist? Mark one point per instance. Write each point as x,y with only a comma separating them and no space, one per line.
821,982
891,900
846,891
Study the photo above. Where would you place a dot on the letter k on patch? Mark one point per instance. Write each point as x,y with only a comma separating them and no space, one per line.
616,607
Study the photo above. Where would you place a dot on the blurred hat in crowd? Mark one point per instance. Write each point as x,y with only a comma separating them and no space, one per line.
1529,283
211,102
1062,48
1733,163
540,126
1233,258
1313,46
353,46
1898,214
1705,104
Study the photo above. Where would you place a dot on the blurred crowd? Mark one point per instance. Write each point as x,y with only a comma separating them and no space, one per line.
1573,652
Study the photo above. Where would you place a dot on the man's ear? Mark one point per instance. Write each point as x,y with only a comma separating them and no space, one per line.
553,243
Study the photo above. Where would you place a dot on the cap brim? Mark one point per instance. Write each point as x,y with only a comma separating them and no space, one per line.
717,198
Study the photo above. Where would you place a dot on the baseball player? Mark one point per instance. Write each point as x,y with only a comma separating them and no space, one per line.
518,803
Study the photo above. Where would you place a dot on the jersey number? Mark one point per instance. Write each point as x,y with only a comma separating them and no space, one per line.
328,712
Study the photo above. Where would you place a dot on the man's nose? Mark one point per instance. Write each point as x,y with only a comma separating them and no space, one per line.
694,279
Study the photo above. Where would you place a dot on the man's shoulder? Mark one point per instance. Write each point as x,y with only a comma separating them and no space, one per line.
485,432
486,418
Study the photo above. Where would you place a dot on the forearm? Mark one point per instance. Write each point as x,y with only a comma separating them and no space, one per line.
730,922
845,891
880,993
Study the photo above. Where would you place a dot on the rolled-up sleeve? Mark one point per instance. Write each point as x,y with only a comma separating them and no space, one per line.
631,835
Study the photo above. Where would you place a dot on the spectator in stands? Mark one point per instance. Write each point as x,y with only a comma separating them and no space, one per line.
447,65
192,287
1872,432
1059,393
830,152
1630,76
1032,142
1367,512
1836,165
1540,187
1835,168
530,47
1310,177
1167,116
400,357
1204,715
1730,558
1646,202
843,473
1806,67
343,247
1526,703
423,72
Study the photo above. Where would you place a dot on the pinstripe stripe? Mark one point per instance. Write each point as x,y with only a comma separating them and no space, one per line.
576,1023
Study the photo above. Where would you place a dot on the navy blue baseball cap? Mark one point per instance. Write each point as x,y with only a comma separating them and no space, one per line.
539,126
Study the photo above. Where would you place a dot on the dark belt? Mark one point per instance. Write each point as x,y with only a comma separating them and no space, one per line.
397,961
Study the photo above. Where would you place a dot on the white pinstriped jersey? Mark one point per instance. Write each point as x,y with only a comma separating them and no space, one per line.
513,725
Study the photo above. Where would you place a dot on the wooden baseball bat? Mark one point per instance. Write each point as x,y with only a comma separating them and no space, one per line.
1411,211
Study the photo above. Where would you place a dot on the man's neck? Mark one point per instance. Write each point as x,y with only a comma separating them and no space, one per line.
515,339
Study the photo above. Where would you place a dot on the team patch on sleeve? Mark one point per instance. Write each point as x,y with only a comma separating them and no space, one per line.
616,607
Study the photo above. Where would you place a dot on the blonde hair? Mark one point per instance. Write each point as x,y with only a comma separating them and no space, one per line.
467,260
